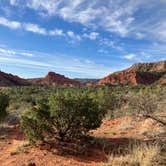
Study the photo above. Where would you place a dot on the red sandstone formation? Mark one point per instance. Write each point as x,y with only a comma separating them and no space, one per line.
11,80
54,79
142,73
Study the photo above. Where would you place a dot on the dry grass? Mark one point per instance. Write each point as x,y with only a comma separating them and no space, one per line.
126,125
144,155
138,155
20,148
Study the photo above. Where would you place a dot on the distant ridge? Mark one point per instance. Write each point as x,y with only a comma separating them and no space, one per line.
54,79
141,73
11,80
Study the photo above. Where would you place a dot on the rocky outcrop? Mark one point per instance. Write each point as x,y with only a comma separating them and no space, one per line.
141,73
11,80
54,79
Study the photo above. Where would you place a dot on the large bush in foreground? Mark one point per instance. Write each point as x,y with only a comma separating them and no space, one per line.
64,117
4,102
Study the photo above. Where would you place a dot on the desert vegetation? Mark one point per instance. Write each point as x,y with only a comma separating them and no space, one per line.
63,116
88,120
4,102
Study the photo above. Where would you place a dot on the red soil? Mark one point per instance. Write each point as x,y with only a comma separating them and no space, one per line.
110,132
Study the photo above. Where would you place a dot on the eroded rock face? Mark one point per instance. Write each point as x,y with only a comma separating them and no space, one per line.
142,73
11,80
54,79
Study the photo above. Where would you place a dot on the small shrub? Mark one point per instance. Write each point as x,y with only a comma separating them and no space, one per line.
113,133
66,116
123,132
4,102
145,104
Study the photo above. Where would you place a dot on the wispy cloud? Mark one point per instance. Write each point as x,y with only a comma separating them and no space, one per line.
139,35
103,14
73,36
91,35
34,28
10,24
70,35
130,56
58,63
56,32
37,29
120,17
5,52
110,43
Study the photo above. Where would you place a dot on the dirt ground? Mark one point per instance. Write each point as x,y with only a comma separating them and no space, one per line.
112,134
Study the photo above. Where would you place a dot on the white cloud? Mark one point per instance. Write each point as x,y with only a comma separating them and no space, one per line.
139,35
27,54
44,5
13,53
112,16
91,36
37,29
7,52
10,24
161,31
56,32
127,18
130,56
73,36
13,2
110,44
24,61
34,28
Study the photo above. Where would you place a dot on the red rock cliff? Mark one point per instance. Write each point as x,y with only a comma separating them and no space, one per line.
142,73
54,79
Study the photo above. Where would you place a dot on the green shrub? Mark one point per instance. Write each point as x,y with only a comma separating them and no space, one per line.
107,99
66,116
4,102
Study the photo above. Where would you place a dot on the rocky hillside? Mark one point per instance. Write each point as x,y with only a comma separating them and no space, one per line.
141,73
11,80
54,79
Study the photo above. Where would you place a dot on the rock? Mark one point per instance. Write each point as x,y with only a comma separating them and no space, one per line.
54,79
13,153
11,80
31,164
141,73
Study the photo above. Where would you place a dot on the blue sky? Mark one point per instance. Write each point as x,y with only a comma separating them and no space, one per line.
80,38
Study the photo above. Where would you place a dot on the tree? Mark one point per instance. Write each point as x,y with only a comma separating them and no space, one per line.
66,116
